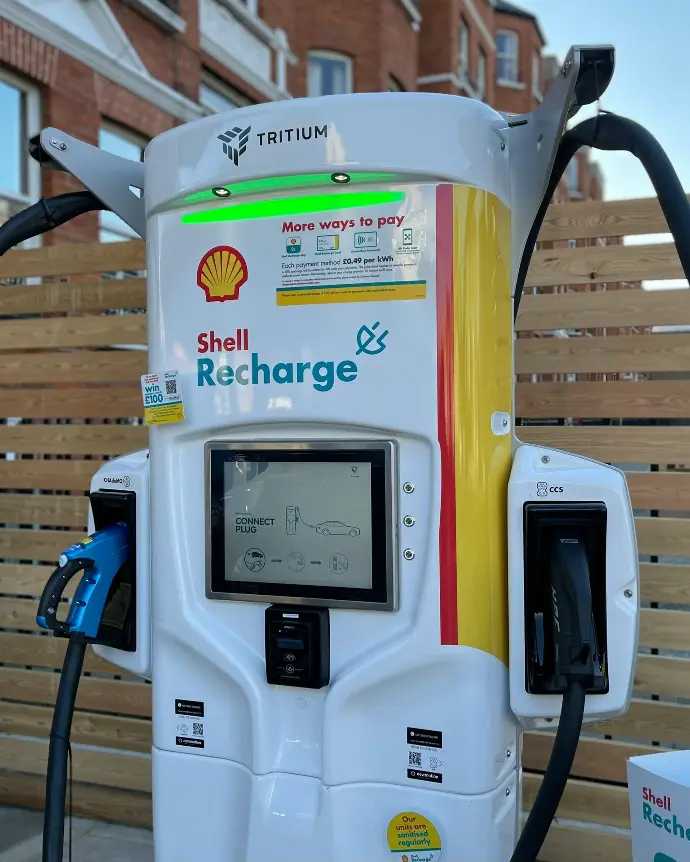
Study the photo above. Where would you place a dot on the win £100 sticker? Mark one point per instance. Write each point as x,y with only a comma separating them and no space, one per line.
413,838
162,396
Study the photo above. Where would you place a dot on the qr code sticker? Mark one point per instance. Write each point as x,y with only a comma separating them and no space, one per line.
197,729
171,387
415,758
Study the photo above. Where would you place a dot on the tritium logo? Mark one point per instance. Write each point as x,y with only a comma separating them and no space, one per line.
235,142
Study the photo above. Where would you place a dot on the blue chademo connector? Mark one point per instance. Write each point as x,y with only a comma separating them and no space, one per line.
100,556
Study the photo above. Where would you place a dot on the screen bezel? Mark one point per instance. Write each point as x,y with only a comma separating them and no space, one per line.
381,454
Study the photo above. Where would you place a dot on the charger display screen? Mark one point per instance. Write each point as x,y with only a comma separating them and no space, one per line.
305,523
300,523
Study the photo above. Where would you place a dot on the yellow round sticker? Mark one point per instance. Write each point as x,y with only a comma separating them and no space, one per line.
414,838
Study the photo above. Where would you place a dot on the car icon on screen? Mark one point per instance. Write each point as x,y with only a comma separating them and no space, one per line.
336,528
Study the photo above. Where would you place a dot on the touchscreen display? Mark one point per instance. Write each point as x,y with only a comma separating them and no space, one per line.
307,523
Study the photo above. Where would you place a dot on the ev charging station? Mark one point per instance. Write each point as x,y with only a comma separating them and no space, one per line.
351,586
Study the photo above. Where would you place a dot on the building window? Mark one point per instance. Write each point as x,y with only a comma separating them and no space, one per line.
129,146
394,86
464,51
536,76
507,50
329,74
20,175
219,97
573,176
481,74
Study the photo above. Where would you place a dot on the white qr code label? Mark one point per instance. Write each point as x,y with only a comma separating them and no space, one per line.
424,755
162,396
189,723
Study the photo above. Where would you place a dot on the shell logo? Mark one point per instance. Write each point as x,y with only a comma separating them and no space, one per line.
221,273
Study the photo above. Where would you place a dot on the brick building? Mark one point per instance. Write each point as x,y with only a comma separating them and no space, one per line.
118,72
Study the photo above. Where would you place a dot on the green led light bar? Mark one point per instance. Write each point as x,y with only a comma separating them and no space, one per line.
281,183
293,206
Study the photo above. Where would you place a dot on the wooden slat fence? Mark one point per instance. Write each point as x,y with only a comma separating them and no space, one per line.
614,389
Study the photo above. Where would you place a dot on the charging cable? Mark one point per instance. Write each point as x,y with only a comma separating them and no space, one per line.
100,556
573,636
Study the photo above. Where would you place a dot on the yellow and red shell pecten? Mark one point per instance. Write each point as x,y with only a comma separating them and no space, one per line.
221,273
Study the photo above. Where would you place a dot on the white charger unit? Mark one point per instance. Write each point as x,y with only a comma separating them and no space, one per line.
129,474
543,483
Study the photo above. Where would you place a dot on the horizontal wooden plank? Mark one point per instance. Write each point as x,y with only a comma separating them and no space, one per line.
79,258
75,439
43,545
102,695
600,309
88,728
651,721
89,331
78,366
606,805
23,580
666,491
603,264
80,297
598,759
104,768
576,844
611,444
105,402
43,650
665,629
48,509
47,475
603,354
665,583
669,537
21,613
88,800
590,219
666,676
656,399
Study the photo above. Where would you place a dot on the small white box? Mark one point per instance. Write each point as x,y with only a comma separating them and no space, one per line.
659,793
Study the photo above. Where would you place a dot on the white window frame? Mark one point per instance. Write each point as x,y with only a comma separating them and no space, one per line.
536,76
573,174
225,91
481,73
512,59
463,49
318,53
32,106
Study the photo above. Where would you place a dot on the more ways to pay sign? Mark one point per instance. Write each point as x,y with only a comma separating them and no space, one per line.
368,258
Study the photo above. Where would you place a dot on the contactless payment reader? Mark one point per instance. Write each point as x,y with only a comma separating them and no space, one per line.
297,646
354,586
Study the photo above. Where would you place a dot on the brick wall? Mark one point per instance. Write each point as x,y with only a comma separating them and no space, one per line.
376,36
439,43
518,98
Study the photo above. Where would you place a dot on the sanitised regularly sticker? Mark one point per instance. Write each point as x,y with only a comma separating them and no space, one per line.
413,836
